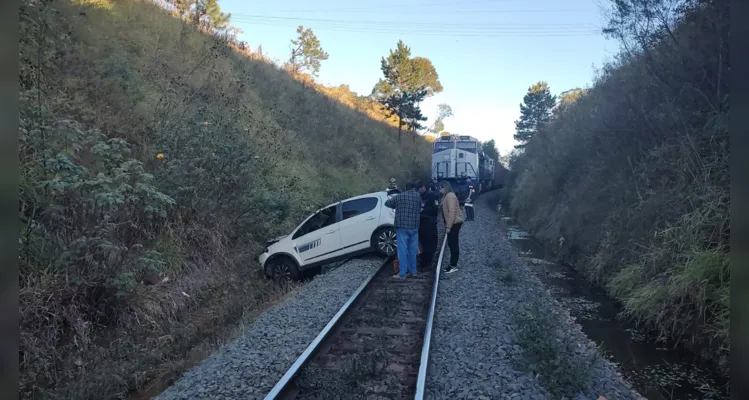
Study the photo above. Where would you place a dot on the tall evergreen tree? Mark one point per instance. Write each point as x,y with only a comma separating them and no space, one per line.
407,82
306,52
213,16
202,13
535,112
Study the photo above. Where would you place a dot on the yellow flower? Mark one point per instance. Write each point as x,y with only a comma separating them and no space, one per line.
160,156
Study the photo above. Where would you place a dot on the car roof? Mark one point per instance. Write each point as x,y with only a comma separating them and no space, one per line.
382,194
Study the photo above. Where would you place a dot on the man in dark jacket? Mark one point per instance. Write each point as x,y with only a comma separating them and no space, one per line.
428,225
434,186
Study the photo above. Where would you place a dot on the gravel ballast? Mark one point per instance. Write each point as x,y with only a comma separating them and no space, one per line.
474,351
249,367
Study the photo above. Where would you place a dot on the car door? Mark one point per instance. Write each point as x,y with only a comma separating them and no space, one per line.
319,238
360,219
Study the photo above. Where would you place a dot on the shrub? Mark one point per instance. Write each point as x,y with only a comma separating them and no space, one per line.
562,372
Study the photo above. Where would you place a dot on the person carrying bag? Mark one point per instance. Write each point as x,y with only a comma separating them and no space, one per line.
453,222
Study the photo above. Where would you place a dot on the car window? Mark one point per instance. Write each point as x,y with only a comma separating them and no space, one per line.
356,207
320,220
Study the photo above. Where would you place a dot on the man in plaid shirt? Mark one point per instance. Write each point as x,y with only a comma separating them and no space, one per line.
407,207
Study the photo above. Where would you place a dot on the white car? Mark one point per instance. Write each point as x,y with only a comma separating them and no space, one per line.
343,229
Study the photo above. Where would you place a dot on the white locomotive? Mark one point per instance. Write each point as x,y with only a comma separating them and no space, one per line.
458,157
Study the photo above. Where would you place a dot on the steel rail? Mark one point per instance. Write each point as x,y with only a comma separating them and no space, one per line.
422,378
291,373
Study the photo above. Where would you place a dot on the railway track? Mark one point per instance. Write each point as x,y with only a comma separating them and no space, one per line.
375,347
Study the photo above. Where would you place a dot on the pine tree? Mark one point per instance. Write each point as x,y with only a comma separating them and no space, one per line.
535,112
205,13
407,82
213,16
306,52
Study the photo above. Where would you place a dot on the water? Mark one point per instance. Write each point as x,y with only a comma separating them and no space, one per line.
657,372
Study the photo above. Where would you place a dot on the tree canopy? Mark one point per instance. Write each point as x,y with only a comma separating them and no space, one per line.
566,99
490,149
535,112
306,52
202,13
443,111
407,82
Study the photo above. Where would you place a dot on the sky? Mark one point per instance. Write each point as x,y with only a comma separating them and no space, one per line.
486,52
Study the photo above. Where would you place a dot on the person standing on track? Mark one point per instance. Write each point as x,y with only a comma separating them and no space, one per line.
428,224
434,186
453,222
407,207
465,189
469,204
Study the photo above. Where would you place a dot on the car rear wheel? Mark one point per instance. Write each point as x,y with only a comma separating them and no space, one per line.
384,242
283,269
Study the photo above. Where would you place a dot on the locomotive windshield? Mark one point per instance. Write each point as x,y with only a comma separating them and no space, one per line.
440,146
468,146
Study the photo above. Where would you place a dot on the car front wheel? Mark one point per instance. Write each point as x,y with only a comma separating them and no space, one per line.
284,269
384,242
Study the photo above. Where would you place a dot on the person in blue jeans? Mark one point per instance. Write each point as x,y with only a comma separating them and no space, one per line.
407,207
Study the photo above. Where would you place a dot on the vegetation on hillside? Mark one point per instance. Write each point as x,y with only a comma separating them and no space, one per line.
155,160
629,179
304,60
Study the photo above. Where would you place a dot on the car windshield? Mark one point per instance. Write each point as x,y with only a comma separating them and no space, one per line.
321,219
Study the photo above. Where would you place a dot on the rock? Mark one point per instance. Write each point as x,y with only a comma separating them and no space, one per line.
474,325
251,365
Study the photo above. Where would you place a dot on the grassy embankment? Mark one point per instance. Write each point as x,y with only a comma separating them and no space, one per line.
634,177
134,266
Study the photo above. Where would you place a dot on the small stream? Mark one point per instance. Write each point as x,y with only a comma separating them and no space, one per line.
657,372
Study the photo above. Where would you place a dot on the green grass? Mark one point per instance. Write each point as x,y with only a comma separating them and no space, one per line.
503,275
547,354
107,86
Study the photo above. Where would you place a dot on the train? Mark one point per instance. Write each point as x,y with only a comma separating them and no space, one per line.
456,158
